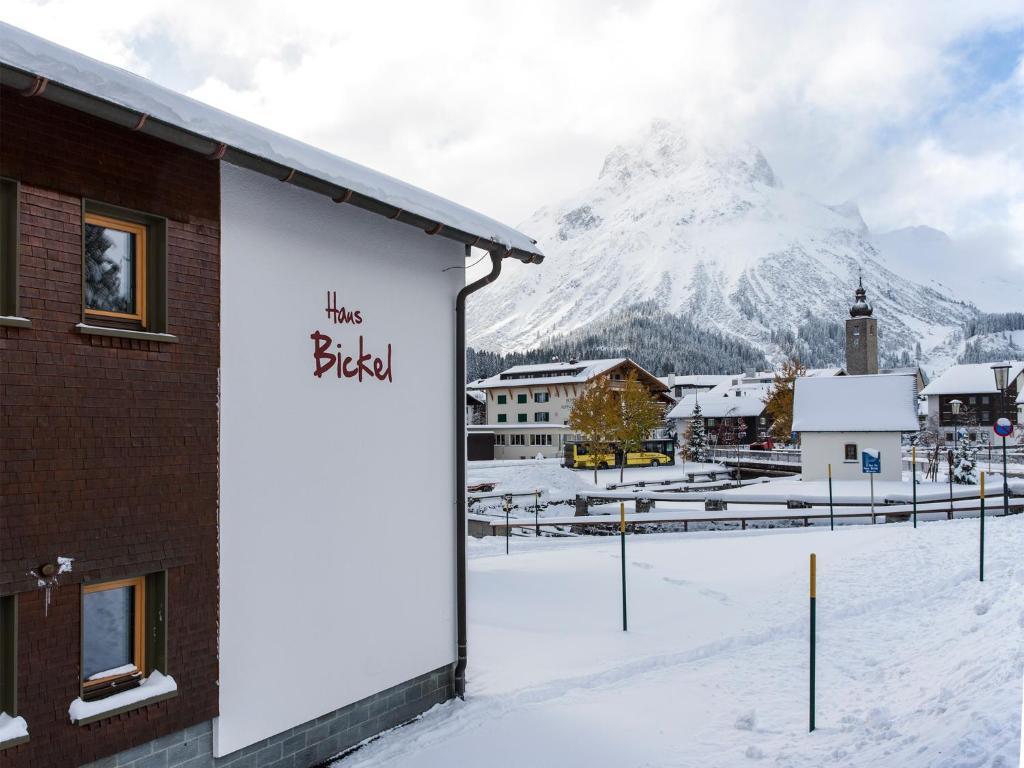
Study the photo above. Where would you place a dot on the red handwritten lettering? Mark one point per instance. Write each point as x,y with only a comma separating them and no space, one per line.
348,366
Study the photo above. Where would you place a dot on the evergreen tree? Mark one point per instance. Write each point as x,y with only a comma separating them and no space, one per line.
696,447
965,463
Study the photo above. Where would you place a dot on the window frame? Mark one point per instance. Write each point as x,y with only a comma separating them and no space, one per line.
542,417
10,248
502,418
502,399
541,397
140,267
138,629
521,398
521,418
9,654
846,453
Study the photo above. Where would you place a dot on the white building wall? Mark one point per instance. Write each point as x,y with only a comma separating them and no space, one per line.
332,588
819,449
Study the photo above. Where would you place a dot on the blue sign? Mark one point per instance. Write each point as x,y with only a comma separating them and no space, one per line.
870,461
1003,427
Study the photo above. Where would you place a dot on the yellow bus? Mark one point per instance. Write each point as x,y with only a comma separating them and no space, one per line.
654,453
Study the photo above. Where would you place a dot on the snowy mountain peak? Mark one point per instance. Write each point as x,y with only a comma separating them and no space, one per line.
702,229
668,149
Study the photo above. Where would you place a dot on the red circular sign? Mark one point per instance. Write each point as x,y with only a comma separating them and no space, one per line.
1003,427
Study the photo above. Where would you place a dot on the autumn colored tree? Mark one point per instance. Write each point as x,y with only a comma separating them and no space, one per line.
640,413
595,416
779,402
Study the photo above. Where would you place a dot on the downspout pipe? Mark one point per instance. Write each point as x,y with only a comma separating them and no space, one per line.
459,674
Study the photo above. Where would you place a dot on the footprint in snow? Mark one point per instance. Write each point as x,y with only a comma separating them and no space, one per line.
981,608
645,566
684,582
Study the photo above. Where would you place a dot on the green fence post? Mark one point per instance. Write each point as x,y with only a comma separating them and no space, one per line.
831,512
913,478
981,539
814,566
622,538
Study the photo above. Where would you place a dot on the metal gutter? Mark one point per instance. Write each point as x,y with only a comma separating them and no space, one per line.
33,86
459,672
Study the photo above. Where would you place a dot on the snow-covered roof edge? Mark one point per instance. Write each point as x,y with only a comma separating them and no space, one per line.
83,83
872,403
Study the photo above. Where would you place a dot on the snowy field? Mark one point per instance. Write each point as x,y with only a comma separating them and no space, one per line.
919,664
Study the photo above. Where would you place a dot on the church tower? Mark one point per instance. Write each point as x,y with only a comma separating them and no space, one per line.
861,336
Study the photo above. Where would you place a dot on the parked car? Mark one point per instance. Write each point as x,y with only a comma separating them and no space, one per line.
764,443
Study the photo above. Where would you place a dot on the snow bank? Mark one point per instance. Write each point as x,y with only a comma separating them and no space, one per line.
919,663
12,728
155,685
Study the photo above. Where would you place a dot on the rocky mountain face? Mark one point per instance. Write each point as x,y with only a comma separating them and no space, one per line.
708,233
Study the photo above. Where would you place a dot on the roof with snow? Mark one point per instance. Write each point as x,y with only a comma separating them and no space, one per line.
726,401
974,378
878,403
693,380
561,372
119,96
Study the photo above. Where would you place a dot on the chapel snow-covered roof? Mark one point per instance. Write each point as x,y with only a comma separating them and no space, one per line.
971,378
117,95
874,403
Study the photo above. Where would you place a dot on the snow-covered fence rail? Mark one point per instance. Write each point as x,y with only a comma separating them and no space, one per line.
775,456
610,521
689,479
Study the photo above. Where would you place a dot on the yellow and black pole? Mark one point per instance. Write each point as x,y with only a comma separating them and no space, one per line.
622,539
913,478
981,540
814,575
831,512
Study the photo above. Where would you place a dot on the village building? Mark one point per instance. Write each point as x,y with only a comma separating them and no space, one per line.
200,359
733,411
838,418
691,384
981,404
528,406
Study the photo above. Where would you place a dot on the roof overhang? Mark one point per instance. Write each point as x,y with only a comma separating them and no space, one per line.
41,69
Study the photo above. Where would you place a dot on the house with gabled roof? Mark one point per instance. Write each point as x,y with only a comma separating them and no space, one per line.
981,404
204,328
528,405
837,418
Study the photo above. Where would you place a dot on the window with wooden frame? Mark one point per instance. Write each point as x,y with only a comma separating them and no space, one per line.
850,452
123,269
113,637
115,269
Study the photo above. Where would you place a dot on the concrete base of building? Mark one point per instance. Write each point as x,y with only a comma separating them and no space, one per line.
303,746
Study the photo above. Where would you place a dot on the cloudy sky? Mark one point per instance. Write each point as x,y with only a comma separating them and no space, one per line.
915,110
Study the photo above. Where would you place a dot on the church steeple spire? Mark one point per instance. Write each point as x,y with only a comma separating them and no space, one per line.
860,307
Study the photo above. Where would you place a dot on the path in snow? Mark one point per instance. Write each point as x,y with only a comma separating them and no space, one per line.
919,664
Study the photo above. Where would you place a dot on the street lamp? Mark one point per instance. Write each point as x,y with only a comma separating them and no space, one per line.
955,405
1002,373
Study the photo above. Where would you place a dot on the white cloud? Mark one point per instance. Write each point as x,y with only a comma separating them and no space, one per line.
506,107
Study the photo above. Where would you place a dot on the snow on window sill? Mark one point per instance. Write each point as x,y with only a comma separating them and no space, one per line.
13,321
13,731
155,688
125,333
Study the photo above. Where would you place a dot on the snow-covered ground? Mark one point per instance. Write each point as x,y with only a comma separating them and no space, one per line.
919,664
